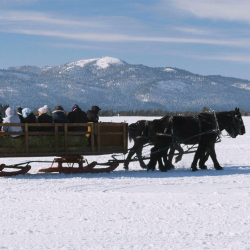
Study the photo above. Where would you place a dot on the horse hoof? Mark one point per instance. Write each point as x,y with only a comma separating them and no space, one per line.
125,167
194,169
203,167
218,168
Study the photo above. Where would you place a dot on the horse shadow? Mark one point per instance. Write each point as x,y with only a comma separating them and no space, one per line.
228,170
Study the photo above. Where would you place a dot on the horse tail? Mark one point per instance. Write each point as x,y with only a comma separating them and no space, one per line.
131,131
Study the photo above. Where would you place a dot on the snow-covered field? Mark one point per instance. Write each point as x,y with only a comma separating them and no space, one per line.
133,209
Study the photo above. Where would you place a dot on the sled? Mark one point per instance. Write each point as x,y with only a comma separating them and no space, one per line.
90,168
69,146
23,170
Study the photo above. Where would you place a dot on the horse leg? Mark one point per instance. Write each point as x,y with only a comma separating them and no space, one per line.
163,155
170,158
139,156
181,151
203,160
211,151
154,155
200,151
130,154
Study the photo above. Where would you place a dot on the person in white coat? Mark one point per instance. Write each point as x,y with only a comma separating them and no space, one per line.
11,118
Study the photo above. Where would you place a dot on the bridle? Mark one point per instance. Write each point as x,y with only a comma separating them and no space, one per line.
235,126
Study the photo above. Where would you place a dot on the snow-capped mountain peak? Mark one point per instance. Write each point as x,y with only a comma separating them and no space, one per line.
105,62
100,63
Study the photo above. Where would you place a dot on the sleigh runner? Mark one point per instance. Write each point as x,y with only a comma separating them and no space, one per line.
69,146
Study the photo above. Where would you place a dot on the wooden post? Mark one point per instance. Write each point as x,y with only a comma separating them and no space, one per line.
125,141
66,136
26,134
98,137
56,136
92,134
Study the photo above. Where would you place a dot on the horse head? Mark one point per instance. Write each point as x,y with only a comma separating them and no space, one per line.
239,122
232,122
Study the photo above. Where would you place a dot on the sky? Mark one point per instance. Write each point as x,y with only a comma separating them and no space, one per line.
207,37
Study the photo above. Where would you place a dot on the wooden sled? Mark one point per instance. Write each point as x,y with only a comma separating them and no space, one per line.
23,170
90,168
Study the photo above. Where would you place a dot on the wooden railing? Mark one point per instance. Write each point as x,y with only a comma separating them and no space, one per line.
102,138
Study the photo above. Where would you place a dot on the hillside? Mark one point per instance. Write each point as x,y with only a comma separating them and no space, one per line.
115,84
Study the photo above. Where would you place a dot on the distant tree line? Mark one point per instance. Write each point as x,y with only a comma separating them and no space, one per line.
157,112
149,112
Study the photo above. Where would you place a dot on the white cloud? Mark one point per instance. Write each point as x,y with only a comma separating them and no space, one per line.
191,30
109,37
231,10
38,17
11,2
243,59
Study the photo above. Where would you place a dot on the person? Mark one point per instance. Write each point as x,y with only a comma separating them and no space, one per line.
1,118
29,117
77,116
43,117
19,113
58,115
93,114
11,118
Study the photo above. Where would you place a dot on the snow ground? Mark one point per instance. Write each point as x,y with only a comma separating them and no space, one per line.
133,209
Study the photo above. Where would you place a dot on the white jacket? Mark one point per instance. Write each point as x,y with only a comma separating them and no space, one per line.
11,118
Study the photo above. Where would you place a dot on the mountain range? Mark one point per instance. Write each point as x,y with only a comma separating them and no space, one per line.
111,83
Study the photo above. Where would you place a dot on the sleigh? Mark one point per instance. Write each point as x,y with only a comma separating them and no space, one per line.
70,147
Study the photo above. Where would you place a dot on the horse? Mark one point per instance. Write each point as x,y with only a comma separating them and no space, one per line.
138,132
202,129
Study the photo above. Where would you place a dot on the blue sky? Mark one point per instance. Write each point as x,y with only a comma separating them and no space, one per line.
207,37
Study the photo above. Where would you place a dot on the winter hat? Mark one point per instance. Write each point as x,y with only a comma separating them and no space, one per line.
58,109
95,108
9,111
26,112
19,111
43,109
74,107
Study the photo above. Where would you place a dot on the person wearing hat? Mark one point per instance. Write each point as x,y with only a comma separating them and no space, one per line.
93,114
29,117
11,118
58,115
19,113
43,117
1,118
77,116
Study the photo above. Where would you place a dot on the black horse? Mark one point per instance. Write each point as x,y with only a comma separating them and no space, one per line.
138,132
202,130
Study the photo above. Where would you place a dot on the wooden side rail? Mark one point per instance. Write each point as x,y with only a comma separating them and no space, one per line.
100,138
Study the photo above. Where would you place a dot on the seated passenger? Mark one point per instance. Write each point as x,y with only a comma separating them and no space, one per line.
1,119
19,113
77,116
11,118
29,117
43,117
59,117
93,114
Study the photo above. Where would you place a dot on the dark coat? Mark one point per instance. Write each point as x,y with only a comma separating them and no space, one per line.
59,117
92,116
21,118
78,116
31,118
1,119
45,118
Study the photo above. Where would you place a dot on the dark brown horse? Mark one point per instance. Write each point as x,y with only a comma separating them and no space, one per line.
138,132
202,130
